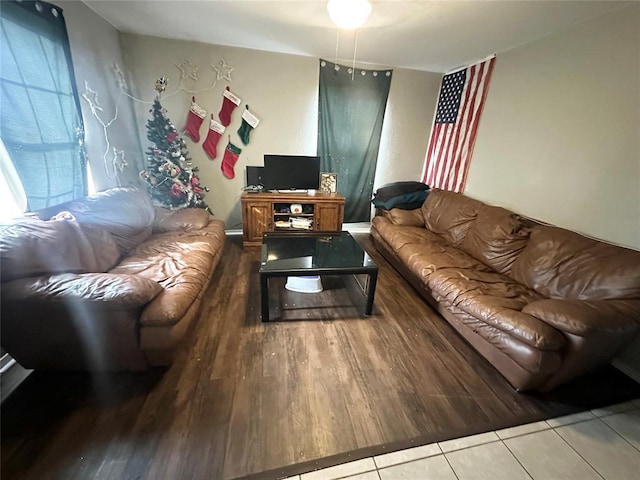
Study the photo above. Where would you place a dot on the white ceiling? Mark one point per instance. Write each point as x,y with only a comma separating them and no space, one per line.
434,36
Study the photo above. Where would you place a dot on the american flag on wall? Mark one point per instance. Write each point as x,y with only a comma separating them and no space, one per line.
462,96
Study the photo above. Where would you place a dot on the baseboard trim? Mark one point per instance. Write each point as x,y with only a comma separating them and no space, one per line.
626,369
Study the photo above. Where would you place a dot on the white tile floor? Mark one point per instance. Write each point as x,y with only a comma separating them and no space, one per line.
600,444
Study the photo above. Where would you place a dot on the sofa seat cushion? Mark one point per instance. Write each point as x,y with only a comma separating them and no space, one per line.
424,260
33,247
531,359
559,263
399,236
181,262
589,317
422,251
496,300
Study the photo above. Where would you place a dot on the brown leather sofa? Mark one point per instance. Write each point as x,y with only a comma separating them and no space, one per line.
541,303
106,282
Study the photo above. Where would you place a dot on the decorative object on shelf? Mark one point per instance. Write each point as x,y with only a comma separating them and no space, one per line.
301,223
171,180
249,122
229,160
195,116
210,144
229,104
296,208
328,182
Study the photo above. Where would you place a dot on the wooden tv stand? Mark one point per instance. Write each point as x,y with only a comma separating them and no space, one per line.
270,212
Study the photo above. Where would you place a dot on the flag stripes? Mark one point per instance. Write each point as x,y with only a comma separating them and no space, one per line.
460,104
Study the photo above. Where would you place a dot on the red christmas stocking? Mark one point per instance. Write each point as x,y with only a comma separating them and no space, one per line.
210,145
229,104
194,120
229,160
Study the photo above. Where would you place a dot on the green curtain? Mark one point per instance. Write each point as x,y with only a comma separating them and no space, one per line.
40,120
351,108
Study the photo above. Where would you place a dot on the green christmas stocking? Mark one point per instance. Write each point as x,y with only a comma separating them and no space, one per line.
249,122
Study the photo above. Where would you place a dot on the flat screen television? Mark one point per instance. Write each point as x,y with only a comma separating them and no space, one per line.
291,172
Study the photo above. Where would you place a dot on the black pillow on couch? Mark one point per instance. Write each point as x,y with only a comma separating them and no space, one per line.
405,195
390,190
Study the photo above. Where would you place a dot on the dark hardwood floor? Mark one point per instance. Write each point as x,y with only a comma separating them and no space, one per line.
244,399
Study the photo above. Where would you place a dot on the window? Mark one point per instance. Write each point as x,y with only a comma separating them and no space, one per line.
40,119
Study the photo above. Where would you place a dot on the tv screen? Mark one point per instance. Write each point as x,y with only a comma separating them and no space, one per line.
291,172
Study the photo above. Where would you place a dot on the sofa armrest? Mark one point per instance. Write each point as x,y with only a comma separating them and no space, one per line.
588,317
108,289
186,219
407,218
76,321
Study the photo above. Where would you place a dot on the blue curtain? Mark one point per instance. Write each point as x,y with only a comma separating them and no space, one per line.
40,119
350,113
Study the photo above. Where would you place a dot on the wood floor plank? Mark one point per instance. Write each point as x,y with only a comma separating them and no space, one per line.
246,399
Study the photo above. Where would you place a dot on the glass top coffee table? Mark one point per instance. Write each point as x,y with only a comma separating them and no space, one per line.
308,254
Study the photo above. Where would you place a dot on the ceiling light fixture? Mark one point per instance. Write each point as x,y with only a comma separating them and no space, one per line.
349,14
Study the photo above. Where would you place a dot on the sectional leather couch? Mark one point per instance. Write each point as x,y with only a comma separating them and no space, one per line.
106,282
542,304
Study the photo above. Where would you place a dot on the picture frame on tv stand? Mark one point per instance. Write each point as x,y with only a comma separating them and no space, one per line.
328,182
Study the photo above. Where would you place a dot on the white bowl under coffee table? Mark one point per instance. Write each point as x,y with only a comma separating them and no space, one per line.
310,254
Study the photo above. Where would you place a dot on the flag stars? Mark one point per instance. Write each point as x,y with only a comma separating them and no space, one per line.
450,95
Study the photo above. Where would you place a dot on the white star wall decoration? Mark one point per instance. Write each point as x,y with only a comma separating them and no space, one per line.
223,71
188,70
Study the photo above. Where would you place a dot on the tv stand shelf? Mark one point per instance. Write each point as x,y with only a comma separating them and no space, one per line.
269,212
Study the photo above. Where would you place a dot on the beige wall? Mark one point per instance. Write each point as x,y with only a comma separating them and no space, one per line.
95,49
282,90
560,135
405,133
559,139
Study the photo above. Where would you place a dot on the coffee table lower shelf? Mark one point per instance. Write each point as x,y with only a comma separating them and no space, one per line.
368,289
308,254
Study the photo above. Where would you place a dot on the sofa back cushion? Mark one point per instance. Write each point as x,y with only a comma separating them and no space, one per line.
558,263
33,247
450,215
125,212
187,219
496,238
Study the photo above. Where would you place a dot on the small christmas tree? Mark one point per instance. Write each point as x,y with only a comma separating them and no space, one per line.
171,179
